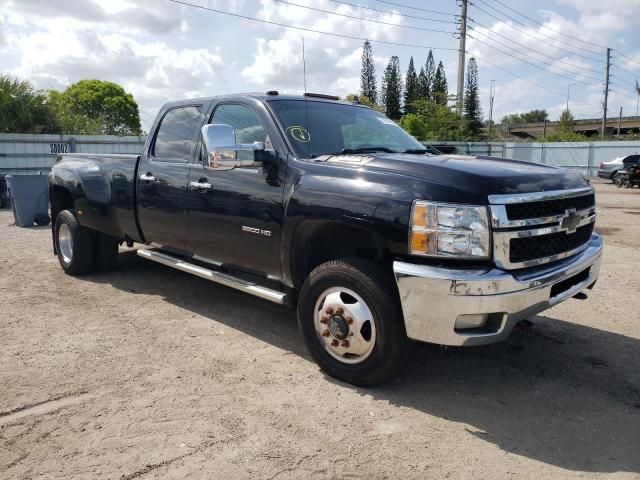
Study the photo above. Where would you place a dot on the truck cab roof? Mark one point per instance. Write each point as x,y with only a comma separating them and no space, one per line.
269,96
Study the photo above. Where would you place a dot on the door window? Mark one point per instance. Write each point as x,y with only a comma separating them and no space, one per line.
246,124
177,133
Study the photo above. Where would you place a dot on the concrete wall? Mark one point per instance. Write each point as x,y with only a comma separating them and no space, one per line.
26,153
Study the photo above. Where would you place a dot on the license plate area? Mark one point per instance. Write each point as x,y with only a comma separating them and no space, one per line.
568,283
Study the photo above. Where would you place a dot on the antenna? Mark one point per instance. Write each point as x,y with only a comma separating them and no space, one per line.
304,67
306,103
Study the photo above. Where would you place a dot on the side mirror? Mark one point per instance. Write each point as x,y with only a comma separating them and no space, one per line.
221,149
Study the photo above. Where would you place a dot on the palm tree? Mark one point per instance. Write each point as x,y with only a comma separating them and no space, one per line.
23,109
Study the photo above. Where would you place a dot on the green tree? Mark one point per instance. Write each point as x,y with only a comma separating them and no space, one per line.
410,86
423,85
565,123
368,87
429,77
24,109
432,121
392,89
471,104
440,90
107,102
69,122
529,117
364,100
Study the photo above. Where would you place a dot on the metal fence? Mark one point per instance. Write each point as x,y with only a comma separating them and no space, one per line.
583,156
26,153
22,153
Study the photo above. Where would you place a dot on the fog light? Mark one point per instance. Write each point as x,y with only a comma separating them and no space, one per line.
474,320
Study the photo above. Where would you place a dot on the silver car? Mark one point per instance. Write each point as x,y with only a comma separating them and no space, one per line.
609,169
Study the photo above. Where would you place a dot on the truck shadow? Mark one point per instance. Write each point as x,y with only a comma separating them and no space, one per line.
559,393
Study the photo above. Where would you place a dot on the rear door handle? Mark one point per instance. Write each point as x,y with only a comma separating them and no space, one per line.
147,177
201,185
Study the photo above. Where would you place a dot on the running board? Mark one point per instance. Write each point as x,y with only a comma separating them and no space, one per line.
212,275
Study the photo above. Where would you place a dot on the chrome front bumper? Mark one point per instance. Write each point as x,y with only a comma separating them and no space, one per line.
434,297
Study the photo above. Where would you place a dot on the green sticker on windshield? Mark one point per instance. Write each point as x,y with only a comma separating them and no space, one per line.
299,133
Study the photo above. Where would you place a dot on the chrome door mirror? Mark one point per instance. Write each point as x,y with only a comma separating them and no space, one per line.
222,151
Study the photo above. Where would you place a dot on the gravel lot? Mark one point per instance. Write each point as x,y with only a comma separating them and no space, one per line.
149,372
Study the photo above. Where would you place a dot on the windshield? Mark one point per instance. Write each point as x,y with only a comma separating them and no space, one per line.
322,128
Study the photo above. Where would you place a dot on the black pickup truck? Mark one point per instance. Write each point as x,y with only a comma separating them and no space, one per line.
331,206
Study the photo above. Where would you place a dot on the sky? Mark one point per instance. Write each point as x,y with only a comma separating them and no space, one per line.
161,51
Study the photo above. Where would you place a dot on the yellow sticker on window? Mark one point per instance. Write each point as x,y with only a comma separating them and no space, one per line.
299,133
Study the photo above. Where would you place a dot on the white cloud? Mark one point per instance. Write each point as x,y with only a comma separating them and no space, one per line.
332,64
158,18
56,54
160,51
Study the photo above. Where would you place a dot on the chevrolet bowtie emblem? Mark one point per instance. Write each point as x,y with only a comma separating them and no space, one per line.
571,221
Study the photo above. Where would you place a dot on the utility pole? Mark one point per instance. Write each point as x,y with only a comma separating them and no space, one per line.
606,94
461,55
619,121
491,95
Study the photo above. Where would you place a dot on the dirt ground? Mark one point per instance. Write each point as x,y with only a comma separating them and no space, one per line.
147,372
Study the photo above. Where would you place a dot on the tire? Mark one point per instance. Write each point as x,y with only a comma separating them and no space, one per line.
106,252
380,342
74,244
613,176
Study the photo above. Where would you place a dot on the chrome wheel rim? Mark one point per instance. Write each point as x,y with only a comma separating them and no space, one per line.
65,243
344,324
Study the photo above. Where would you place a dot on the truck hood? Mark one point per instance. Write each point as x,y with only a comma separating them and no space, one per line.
474,177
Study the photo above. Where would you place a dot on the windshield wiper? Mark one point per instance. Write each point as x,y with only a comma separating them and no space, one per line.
418,151
364,150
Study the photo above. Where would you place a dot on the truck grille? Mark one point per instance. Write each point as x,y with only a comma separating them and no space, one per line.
538,228
519,211
541,246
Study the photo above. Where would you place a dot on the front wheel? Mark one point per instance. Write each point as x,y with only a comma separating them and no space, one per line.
351,321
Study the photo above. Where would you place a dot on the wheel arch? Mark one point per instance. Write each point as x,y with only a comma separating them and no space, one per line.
315,242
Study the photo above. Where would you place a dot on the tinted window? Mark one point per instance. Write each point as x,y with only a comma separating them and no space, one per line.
176,134
246,124
323,128
631,159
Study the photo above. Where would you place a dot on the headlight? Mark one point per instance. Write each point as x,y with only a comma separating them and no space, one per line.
449,230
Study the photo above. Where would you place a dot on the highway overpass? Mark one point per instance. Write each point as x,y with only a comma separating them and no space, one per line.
589,126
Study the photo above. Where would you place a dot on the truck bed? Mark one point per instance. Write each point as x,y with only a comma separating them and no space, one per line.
103,187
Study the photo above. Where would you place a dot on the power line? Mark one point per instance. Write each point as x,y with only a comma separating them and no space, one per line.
627,72
564,34
362,19
575,68
624,81
629,58
548,28
532,31
621,92
630,72
415,8
533,64
531,82
519,76
391,12
339,35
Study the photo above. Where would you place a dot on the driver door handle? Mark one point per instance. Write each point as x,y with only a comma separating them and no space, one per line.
201,185
147,177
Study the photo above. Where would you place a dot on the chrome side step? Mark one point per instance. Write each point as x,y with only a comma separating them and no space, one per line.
212,275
